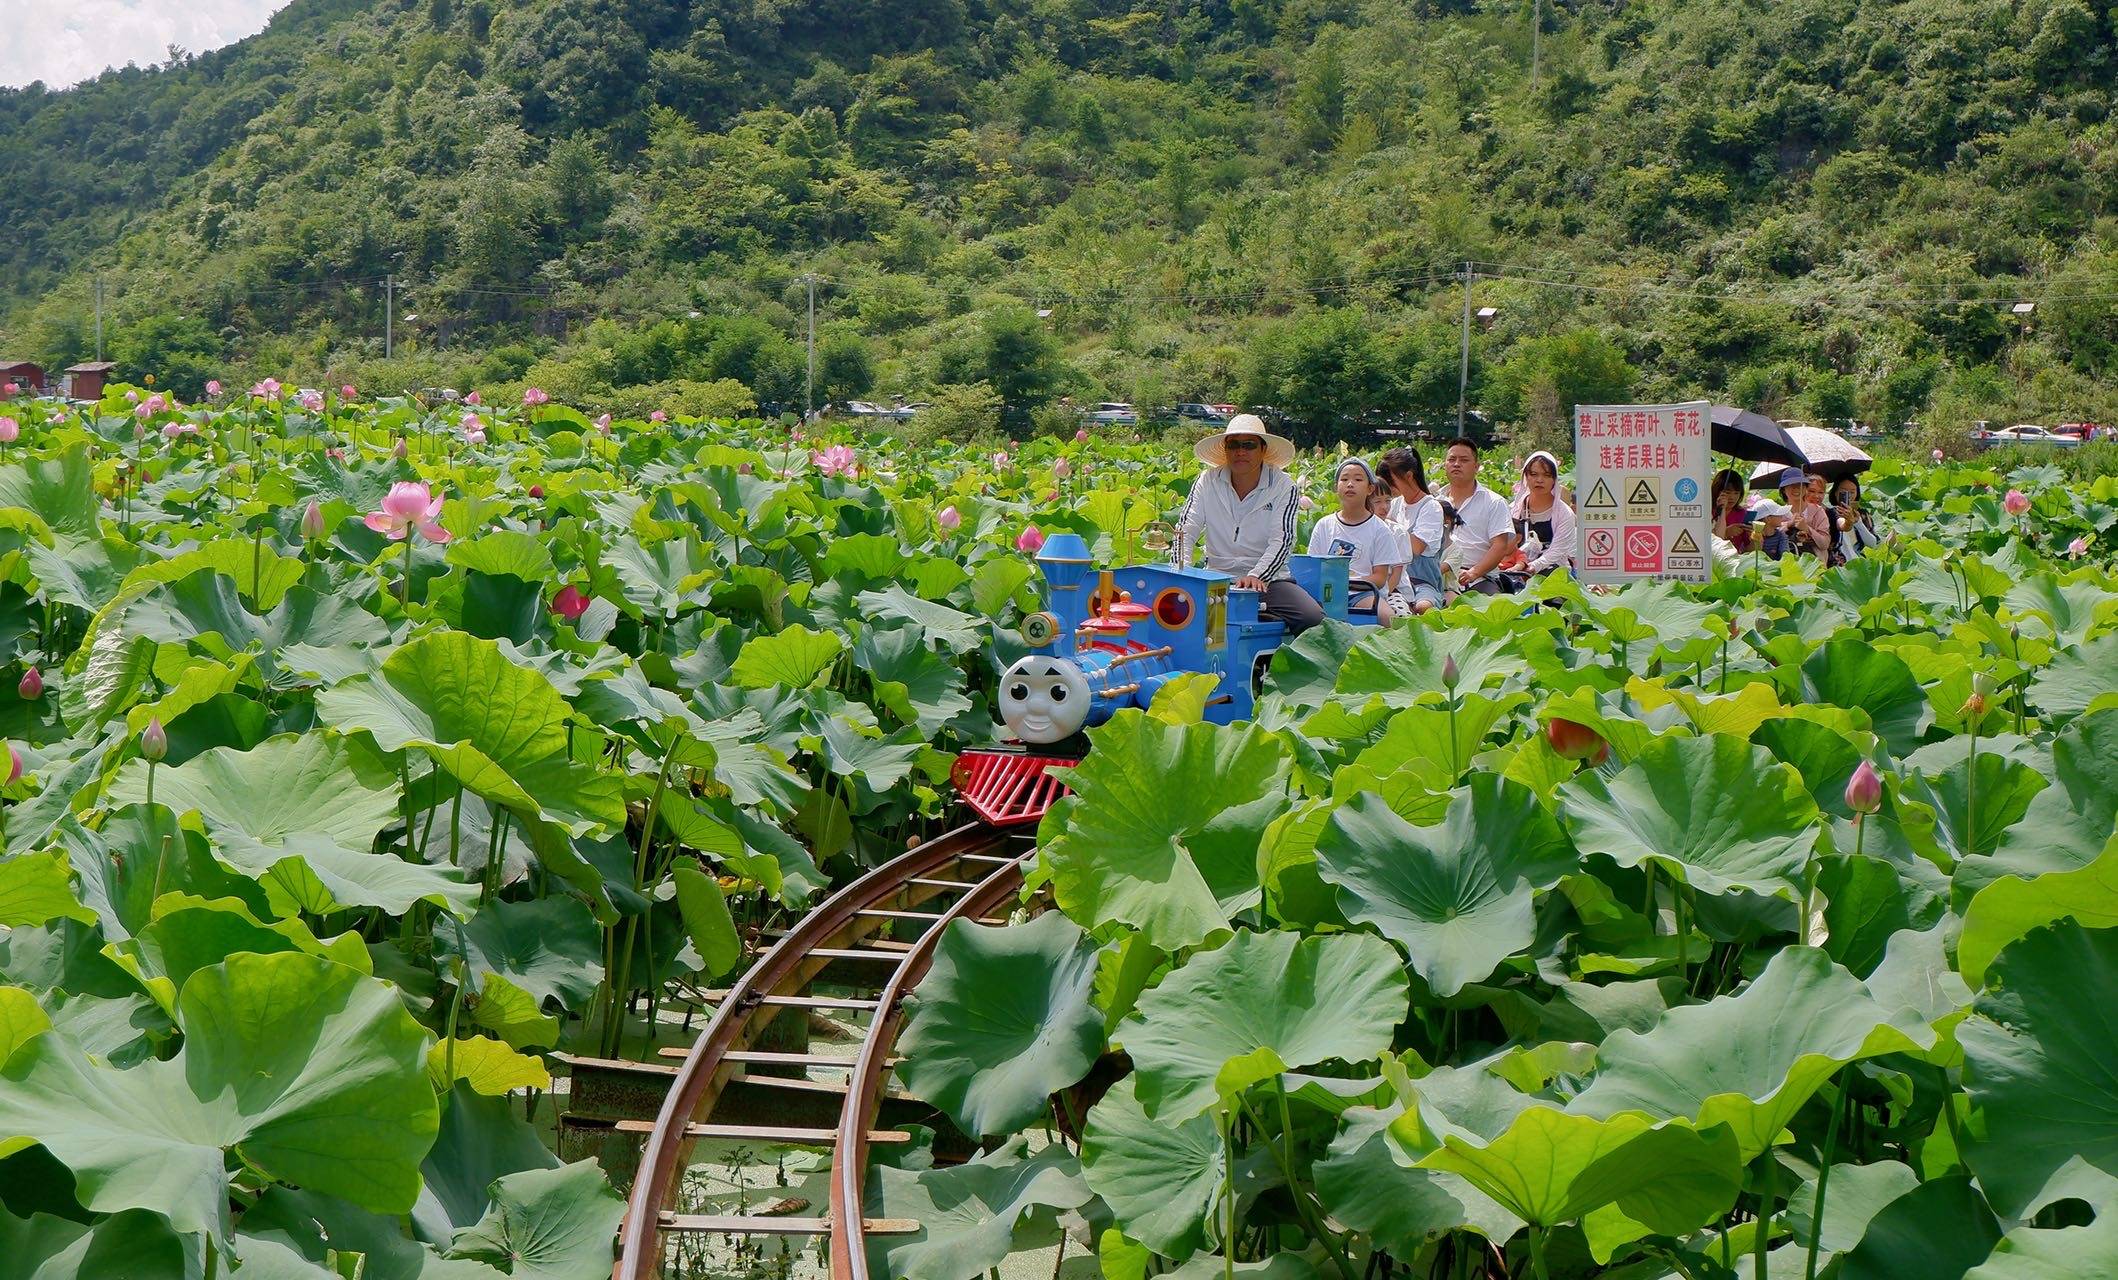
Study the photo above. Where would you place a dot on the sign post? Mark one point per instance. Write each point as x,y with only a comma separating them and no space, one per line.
1640,476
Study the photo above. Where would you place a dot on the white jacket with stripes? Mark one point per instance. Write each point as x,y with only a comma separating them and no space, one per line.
1247,536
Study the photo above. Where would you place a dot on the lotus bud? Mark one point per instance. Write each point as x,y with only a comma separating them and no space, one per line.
14,765
213,386
536,491
1307,503
745,469
2016,502
570,603
401,450
1081,436
154,740
472,399
1570,739
949,519
32,686
346,392
659,416
1864,790
10,430
312,522
1062,468
1450,675
1030,540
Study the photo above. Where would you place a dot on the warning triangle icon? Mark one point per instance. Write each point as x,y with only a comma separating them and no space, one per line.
1600,496
1685,544
1643,494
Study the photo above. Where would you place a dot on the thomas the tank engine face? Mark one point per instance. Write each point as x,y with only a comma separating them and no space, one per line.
1044,699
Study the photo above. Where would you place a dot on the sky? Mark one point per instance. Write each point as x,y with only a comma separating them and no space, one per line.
63,42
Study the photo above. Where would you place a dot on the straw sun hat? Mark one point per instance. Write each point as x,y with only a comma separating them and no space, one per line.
1213,451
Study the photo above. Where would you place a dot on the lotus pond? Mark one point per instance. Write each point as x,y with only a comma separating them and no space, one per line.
1765,928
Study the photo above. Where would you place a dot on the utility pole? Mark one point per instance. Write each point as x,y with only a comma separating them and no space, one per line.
389,315
1463,367
1536,41
809,389
99,317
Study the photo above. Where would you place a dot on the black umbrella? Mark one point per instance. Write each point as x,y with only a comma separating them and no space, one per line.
1743,433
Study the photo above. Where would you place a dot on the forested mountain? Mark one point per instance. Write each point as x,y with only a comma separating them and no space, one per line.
1815,206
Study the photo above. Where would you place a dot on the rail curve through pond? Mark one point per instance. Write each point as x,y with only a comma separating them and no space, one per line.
970,873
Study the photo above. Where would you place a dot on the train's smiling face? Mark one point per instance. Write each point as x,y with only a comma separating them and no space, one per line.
1043,699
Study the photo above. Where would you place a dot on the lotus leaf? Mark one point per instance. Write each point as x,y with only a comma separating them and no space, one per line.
135,1244
1936,1231
1003,1019
972,1215
1159,1176
546,1224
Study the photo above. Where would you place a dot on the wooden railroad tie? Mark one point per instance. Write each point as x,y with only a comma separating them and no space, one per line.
788,1136
756,1225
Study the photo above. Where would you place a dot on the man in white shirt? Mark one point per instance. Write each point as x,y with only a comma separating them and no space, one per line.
1485,529
1245,507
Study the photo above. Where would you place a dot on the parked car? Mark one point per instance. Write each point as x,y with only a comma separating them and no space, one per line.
2023,433
1210,415
2083,431
1114,413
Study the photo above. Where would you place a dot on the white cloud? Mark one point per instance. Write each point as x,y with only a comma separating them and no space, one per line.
63,42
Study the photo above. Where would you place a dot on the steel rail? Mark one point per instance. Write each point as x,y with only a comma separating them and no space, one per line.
813,943
849,1156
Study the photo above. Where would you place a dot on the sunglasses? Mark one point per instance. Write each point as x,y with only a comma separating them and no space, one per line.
1242,444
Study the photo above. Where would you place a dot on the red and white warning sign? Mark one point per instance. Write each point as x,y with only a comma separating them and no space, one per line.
1641,473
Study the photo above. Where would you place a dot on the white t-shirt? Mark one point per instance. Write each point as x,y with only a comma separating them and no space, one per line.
1480,518
1373,542
1421,521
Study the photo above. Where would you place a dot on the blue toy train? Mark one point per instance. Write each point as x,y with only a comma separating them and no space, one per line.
1112,638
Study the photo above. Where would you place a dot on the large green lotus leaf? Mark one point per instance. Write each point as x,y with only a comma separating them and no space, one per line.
1714,810
707,921
2079,680
58,489
186,934
793,658
134,1245
2037,1055
303,798
1159,1177
1456,897
1868,900
1936,1231
22,1020
1968,819
1655,612
661,578
496,726
2068,824
1304,672
918,685
1404,664
1749,1061
1824,757
309,1071
319,1223
1258,1005
208,603
952,629
85,575
484,1065
2010,908
1550,1166
1166,835
546,1224
2064,1253
972,1215
549,947
513,1014
1003,1020
37,887
480,1139
1369,1184
754,771
2067,611
1849,672
1854,1195
1427,742
507,553
877,760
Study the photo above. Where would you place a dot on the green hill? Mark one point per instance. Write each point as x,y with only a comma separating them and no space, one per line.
1818,207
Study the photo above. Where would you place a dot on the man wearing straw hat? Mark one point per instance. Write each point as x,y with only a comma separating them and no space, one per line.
1245,506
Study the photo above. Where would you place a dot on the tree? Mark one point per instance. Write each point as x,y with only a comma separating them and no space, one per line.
579,189
1010,351
181,351
1569,369
1320,367
844,368
1320,94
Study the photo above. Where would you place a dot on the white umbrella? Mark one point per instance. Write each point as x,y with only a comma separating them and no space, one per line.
1766,475
1829,453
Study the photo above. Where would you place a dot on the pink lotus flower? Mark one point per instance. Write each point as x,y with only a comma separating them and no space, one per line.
2078,548
474,437
310,399
472,422
1864,790
1081,436
569,603
132,397
409,506
2016,502
9,390
267,389
14,765
1030,540
533,396
178,430
838,460
155,403
1937,455
1000,460
950,519
10,430
346,392
1051,496
659,416
142,412
472,399
1062,468
31,686
335,454
603,424
213,386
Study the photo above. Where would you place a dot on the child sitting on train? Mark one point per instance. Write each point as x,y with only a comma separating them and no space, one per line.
1418,517
1370,540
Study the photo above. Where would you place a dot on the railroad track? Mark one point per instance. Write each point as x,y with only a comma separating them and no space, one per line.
974,873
